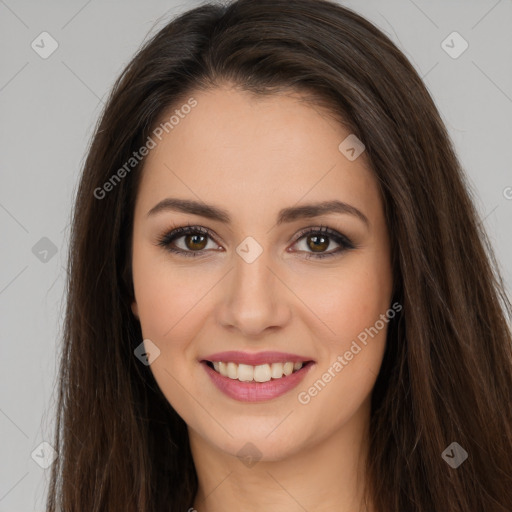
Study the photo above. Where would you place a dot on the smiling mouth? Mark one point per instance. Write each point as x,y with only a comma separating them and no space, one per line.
259,373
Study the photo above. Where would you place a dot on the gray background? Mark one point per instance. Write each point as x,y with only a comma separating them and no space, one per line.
48,108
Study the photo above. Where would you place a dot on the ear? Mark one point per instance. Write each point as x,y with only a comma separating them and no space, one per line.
135,309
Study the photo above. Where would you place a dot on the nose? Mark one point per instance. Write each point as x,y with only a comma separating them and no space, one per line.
255,298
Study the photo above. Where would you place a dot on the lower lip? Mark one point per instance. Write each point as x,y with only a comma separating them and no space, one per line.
257,391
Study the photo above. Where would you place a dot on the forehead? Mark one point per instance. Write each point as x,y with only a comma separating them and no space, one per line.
248,152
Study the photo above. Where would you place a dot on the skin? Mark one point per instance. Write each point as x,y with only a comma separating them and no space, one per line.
253,156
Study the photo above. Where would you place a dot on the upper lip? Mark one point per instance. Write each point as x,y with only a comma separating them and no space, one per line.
256,358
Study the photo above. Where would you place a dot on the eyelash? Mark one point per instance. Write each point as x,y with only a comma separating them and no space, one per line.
345,244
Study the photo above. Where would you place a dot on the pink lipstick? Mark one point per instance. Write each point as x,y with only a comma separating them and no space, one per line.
252,391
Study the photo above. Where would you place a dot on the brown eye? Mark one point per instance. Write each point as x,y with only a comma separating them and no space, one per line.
195,242
196,238
318,240
318,243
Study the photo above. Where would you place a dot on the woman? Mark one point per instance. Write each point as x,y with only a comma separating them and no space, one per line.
280,294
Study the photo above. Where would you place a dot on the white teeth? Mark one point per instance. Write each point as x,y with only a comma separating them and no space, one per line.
232,371
288,368
259,373
276,371
262,373
245,373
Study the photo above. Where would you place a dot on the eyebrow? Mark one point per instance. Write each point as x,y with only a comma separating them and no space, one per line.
285,215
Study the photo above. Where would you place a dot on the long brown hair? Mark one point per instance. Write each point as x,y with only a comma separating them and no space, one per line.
447,370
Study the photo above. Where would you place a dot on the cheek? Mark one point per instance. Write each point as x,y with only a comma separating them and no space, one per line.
350,301
351,298
165,294
351,357
154,301
169,311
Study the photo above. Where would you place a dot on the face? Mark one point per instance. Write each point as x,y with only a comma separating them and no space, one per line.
262,274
